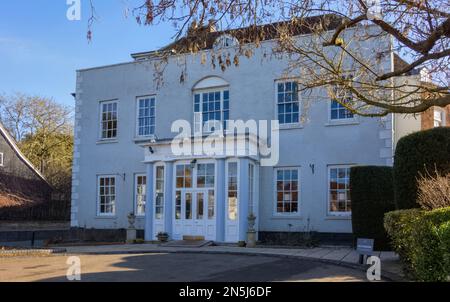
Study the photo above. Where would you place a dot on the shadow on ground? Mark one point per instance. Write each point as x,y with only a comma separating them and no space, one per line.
205,267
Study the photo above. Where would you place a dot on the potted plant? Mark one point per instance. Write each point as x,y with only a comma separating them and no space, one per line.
162,237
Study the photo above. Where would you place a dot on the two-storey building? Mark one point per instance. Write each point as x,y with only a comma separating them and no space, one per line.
124,161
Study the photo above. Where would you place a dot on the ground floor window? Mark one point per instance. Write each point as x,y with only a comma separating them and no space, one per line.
159,202
251,177
287,189
140,194
232,190
339,190
106,195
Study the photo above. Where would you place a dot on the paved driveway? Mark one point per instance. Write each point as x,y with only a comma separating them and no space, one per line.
175,267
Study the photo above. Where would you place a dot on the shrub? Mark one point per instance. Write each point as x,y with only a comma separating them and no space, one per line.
417,153
422,239
372,193
434,191
399,226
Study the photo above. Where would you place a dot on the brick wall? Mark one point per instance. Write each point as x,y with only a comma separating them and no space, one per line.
427,118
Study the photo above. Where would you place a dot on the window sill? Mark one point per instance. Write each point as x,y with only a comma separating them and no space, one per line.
290,126
143,139
338,217
342,123
284,217
106,217
107,141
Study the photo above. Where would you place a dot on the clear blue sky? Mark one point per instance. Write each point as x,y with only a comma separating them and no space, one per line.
40,49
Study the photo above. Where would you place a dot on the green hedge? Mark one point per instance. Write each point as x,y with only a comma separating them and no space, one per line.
417,153
372,192
422,239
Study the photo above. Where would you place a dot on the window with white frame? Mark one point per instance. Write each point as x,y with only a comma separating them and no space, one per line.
140,194
211,109
287,190
337,109
339,190
439,118
251,184
159,202
108,119
107,195
1,159
205,175
288,103
146,116
232,190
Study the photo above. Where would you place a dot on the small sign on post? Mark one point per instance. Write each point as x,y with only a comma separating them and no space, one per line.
364,247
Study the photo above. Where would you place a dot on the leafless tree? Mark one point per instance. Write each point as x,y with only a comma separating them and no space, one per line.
336,57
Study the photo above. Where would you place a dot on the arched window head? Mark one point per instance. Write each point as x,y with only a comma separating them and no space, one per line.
211,105
225,41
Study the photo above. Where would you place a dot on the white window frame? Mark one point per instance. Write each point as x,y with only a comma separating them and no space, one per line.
136,176
227,176
113,214
251,188
442,117
155,177
342,121
2,158
293,124
100,134
138,99
329,212
198,116
275,192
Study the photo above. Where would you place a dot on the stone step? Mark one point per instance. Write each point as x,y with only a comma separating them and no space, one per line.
193,238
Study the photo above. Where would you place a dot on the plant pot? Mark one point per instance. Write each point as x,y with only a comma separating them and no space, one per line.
163,238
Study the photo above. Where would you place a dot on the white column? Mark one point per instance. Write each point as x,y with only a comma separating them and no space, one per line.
168,198
149,204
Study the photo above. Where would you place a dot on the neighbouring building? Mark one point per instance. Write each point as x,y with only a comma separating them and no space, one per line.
123,161
21,184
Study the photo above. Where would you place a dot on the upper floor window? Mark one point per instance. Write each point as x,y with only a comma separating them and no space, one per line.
439,118
339,190
288,104
108,120
211,110
337,110
287,189
146,116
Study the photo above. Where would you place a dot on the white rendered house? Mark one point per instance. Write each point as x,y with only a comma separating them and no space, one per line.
124,162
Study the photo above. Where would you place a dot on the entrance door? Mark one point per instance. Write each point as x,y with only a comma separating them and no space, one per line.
191,213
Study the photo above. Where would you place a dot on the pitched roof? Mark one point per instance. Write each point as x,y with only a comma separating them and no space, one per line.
12,142
204,38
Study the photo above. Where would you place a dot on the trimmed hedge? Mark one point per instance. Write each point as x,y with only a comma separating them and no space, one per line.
372,192
417,153
422,239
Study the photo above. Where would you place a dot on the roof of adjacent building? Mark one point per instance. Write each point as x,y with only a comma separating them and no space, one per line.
12,142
